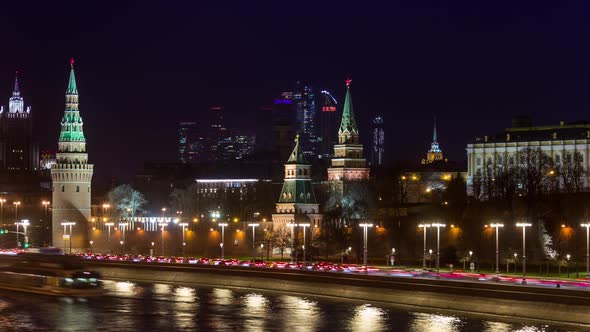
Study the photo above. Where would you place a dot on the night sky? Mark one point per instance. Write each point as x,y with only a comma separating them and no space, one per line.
143,66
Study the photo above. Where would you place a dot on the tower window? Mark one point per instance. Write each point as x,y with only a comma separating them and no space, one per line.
77,189
63,188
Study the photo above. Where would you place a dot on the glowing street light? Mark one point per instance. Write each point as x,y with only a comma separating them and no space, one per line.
254,237
303,247
109,225
587,248
223,226
438,226
524,226
2,201
68,236
16,205
183,224
163,224
45,204
91,242
496,226
292,225
123,226
365,226
424,226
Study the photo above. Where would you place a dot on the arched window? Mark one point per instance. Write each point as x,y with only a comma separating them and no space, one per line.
63,188
77,189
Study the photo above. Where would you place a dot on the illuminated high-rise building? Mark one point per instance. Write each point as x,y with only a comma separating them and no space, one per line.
72,176
190,142
378,146
305,111
329,122
18,149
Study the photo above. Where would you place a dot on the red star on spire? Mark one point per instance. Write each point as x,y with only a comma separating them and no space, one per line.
348,80
72,62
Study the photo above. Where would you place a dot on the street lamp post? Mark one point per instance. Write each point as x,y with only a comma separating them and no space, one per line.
109,224
222,244
587,248
91,242
16,223
303,247
65,224
292,225
524,226
496,226
254,237
438,226
424,226
25,224
2,201
568,256
183,224
365,227
163,224
163,213
123,226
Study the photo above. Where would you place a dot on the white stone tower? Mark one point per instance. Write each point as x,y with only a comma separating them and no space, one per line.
72,176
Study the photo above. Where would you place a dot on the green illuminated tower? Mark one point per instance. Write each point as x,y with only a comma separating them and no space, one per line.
72,176
348,163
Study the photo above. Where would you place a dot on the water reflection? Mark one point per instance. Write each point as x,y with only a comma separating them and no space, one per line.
368,318
160,307
300,314
435,323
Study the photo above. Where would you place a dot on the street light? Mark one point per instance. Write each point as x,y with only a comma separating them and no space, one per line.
163,213
45,204
496,226
16,205
292,225
568,256
109,224
223,226
2,201
304,226
91,242
69,235
163,224
365,226
424,226
524,226
183,224
123,226
25,224
587,248
254,237
438,226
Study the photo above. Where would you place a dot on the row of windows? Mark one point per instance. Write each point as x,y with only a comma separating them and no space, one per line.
63,188
511,159
291,172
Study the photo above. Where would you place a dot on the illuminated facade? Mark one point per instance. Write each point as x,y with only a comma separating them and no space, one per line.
378,147
72,175
18,150
435,154
508,150
297,202
348,164
190,144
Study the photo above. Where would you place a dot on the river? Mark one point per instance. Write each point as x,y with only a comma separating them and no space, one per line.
161,307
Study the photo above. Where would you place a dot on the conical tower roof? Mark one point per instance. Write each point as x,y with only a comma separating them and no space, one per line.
348,123
16,90
72,87
434,136
297,156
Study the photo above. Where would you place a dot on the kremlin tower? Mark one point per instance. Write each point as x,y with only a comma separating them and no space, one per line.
72,176
348,164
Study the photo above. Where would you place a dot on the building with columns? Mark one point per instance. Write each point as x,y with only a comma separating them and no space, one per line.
72,177
559,142
348,163
297,202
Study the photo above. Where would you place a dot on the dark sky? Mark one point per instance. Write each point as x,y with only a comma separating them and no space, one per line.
143,66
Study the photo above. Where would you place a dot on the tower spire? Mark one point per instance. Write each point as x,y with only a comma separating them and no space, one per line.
348,132
434,136
16,91
72,87
297,156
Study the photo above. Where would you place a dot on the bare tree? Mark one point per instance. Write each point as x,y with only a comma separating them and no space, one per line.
126,201
571,172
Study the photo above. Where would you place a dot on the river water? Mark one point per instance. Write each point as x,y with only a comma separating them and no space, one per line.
160,307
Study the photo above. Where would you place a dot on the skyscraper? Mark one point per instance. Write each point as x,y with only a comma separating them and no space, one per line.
190,143
72,176
217,132
329,118
348,163
18,150
305,110
378,142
